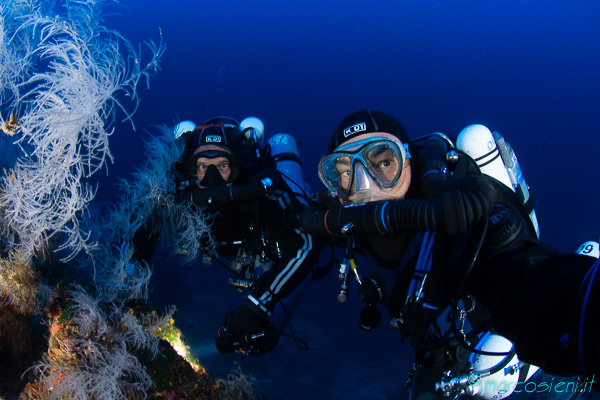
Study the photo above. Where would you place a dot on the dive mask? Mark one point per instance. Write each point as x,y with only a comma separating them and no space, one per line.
356,166
212,176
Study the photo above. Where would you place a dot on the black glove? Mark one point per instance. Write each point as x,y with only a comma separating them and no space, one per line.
273,174
246,331
433,166
433,155
292,214
182,196
370,318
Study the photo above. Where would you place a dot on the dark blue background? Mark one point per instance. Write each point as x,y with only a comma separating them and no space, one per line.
528,69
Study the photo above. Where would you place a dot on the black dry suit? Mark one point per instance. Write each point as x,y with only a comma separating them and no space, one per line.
483,249
250,223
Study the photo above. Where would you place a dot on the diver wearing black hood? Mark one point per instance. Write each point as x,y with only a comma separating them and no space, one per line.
224,171
453,247
237,183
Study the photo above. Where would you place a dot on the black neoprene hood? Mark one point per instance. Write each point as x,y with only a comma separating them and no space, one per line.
366,121
218,135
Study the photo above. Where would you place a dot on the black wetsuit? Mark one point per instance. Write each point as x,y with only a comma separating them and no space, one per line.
260,226
484,246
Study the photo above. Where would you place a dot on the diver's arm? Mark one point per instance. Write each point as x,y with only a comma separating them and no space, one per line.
276,293
534,295
464,201
300,253
299,250
450,204
260,186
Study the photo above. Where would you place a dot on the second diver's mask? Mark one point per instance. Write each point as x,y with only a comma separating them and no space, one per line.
361,167
212,176
216,137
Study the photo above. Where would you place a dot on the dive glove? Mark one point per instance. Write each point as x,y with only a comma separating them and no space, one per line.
246,331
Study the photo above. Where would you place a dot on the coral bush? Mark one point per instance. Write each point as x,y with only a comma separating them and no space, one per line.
70,73
148,202
19,283
92,351
99,351
237,386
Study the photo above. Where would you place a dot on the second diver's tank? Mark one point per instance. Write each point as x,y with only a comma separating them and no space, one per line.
284,150
253,128
183,127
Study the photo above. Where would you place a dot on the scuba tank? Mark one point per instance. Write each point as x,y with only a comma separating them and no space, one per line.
590,248
489,377
284,150
183,132
254,130
496,158
182,127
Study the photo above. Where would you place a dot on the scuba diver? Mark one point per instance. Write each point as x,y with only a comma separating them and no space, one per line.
249,191
452,254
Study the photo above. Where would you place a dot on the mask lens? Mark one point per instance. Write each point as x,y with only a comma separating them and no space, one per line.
383,162
225,167
335,172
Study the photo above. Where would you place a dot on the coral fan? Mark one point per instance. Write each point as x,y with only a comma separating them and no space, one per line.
19,283
91,351
99,351
66,114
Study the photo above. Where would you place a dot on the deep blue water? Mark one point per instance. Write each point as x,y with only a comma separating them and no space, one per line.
528,69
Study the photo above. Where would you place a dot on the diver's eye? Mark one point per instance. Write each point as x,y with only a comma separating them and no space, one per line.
224,166
344,178
202,167
384,164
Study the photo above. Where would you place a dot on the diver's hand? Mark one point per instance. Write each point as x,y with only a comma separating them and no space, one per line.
292,215
182,196
433,166
271,179
432,155
246,331
323,199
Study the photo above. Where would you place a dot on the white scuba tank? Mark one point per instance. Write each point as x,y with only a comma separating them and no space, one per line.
285,151
493,377
516,175
182,127
589,248
477,141
254,129
496,158
490,376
